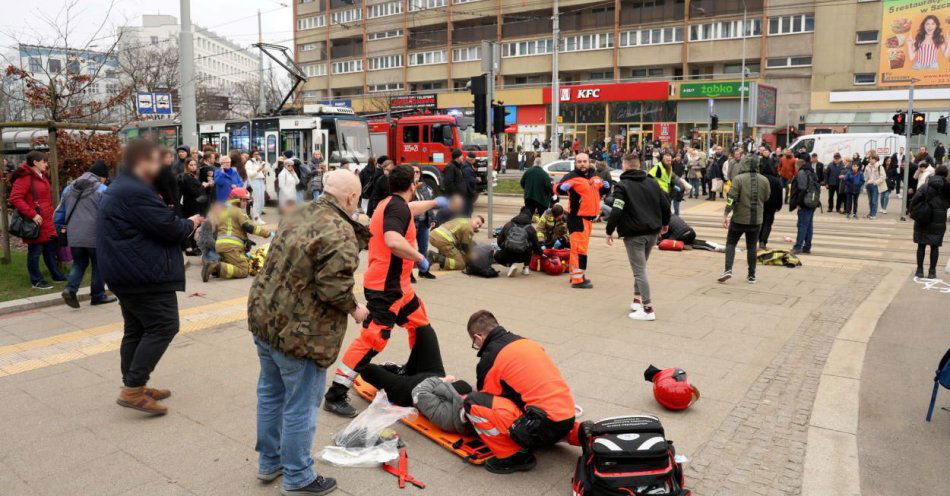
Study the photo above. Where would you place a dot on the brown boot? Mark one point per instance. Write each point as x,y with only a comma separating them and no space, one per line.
157,394
136,399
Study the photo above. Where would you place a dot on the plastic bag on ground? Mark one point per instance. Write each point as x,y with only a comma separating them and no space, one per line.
365,442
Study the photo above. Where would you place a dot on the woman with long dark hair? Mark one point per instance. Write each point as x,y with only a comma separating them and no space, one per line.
924,48
929,207
194,199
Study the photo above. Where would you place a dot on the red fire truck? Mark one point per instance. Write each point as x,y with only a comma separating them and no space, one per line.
428,140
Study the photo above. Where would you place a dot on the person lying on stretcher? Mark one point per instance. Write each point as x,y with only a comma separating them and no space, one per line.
422,383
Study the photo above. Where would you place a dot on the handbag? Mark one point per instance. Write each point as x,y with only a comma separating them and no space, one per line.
881,179
61,236
23,227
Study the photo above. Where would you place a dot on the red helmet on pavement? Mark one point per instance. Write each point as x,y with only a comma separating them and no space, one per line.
239,194
552,265
671,388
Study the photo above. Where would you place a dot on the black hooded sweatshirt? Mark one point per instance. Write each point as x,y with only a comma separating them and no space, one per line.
640,207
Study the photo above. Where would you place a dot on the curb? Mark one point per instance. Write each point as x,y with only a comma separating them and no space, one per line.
40,301
832,467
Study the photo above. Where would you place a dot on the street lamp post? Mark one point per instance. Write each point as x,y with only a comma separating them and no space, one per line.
555,80
742,90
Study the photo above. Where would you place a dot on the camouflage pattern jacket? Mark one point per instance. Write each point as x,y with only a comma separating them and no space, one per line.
300,301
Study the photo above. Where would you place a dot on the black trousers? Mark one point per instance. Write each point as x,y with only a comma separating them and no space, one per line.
536,208
934,256
831,198
425,361
736,231
151,321
768,218
507,258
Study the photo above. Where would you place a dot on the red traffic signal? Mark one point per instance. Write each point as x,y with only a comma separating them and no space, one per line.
899,123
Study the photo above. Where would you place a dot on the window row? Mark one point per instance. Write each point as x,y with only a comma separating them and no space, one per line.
384,62
467,54
425,4
529,47
311,22
307,47
791,24
724,30
657,36
347,66
384,9
343,16
583,42
785,62
384,87
427,58
383,35
314,70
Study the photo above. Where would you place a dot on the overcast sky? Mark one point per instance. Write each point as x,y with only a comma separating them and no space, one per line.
23,21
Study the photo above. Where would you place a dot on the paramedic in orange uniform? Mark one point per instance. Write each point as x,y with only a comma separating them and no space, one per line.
386,284
522,403
583,187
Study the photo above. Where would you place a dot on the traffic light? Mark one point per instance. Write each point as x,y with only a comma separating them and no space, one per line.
919,125
713,122
942,125
478,85
899,123
498,113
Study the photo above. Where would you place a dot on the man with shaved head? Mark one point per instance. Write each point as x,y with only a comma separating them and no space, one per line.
297,311
583,188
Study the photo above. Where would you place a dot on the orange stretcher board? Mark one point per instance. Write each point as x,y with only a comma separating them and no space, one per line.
470,448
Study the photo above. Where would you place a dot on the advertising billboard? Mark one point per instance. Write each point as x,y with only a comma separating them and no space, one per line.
915,43
727,89
764,99
409,102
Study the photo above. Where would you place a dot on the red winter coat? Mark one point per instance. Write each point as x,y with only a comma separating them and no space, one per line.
21,197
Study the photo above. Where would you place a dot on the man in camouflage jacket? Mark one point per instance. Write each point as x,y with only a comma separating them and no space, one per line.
297,312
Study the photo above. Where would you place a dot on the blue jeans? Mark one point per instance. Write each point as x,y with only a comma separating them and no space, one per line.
289,391
694,182
422,238
315,195
82,258
885,199
873,196
806,227
48,252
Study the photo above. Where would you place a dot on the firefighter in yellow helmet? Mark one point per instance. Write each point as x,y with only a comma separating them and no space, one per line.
233,227
453,240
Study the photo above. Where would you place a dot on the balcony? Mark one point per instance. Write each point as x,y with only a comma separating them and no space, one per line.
339,4
347,47
636,12
473,33
579,20
524,24
425,38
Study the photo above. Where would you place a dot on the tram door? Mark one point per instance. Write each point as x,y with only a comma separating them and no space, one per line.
270,147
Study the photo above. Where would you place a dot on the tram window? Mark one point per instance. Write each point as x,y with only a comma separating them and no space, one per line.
425,134
410,134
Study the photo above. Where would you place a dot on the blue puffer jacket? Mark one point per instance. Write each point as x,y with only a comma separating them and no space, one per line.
853,182
138,241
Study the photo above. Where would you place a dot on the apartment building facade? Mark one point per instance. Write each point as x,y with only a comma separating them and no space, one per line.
655,68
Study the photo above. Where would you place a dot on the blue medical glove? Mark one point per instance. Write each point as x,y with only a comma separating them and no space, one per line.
423,264
557,244
441,202
564,187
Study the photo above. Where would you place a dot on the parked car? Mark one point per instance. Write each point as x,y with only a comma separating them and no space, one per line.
558,168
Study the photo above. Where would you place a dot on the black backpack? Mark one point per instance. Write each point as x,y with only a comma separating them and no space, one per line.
516,239
627,456
812,196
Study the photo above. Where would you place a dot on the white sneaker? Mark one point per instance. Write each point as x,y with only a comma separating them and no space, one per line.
525,270
642,315
260,222
636,306
883,210
511,270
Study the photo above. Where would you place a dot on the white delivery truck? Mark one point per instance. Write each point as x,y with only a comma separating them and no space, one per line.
847,144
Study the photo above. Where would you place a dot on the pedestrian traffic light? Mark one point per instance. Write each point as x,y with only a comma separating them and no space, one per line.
478,86
919,125
942,125
498,118
899,123
713,122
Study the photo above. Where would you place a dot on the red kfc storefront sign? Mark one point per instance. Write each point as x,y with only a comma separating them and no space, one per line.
625,92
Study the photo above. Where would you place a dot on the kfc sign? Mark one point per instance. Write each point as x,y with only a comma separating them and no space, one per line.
628,92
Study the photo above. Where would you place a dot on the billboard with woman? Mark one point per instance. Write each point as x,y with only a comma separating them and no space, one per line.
915,43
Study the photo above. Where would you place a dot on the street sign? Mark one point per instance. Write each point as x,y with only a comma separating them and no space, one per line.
153,103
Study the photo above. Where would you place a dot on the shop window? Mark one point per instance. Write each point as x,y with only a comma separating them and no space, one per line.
410,134
591,113
625,112
568,112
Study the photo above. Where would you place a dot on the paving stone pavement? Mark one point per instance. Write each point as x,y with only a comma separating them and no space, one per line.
759,449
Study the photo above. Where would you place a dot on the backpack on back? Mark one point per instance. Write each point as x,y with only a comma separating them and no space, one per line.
516,240
812,198
627,456
941,378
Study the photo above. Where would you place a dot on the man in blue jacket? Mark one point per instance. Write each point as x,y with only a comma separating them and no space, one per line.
138,248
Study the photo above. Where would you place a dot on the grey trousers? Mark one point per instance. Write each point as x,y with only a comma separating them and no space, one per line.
638,252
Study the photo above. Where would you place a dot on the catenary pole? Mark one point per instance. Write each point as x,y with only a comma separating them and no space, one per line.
742,90
186,70
908,132
555,80
262,104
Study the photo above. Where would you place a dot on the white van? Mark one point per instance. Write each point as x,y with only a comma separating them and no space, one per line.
847,144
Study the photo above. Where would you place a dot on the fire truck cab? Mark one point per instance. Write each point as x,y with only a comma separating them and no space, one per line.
428,140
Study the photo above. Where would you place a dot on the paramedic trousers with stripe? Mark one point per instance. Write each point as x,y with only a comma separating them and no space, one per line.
387,309
492,417
579,233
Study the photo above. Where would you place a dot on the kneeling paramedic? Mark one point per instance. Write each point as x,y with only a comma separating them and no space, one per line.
522,403
552,228
233,227
583,187
386,284
453,240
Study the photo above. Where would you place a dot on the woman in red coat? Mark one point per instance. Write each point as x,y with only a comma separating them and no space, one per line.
30,195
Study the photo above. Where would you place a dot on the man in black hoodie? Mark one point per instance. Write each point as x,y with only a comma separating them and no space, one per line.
641,211
453,179
518,240
183,153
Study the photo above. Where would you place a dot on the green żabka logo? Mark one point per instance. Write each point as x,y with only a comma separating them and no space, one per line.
712,90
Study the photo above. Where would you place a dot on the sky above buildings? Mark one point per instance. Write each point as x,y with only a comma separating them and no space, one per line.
27,21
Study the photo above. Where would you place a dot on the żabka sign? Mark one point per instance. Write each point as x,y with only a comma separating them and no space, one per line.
626,92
